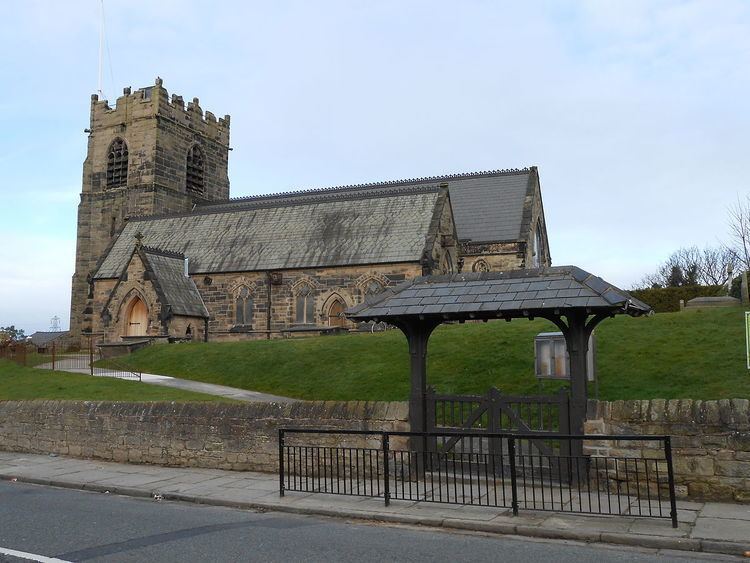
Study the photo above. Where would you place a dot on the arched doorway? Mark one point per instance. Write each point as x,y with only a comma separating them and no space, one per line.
136,321
336,314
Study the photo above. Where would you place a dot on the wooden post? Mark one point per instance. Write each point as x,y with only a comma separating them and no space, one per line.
577,339
53,355
418,334
91,355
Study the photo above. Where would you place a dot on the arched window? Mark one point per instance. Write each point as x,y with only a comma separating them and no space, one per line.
117,164
243,308
305,306
194,171
536,256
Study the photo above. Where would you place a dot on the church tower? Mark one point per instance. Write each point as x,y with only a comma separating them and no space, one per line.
149,155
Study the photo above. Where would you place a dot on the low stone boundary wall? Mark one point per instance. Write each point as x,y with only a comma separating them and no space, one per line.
710,441
213,435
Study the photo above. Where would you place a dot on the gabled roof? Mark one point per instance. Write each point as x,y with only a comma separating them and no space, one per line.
176,291
40,338
487,206
338,229
500,294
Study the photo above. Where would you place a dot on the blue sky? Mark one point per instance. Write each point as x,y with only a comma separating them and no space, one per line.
636,113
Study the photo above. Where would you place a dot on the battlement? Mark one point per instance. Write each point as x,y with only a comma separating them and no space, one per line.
154,101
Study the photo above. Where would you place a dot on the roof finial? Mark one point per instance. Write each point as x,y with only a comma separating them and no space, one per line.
138,239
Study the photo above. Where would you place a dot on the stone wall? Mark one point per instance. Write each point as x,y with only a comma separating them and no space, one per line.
710,441
236,437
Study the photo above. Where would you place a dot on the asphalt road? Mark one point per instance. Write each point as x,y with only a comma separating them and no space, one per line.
84,526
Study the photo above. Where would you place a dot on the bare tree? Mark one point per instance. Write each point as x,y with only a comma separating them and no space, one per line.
693,266
716,265
739,230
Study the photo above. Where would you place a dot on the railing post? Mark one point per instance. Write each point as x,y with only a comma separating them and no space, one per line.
91,355
513,486
386,471
281,462
670,476
53,355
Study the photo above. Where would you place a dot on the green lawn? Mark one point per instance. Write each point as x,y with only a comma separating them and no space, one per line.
692,354
20,384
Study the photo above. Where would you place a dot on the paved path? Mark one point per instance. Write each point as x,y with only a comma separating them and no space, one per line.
704,527
82,367
212,389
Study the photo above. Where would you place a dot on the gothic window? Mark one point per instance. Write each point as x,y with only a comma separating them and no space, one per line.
243,308
480,265
117,164
305,306
536,258
194,171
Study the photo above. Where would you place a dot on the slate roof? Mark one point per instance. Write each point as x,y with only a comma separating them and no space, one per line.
487,206
176,291
40,338
493,294
338,229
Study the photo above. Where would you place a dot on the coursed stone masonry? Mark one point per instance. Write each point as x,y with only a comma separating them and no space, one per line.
220,436
710,441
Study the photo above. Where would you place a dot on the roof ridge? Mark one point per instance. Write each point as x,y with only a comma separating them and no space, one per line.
230,206
162,252
365,185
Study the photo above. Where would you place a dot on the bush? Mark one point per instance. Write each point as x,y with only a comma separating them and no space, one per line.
667,299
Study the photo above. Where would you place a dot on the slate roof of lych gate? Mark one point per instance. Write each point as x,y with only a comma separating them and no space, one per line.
487,206
492,294
338,229
177,291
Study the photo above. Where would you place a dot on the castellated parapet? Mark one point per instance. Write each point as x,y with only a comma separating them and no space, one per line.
154,101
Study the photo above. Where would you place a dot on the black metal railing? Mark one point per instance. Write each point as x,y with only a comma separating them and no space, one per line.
617,475
84,361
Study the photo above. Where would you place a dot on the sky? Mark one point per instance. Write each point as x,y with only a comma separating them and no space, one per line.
637,113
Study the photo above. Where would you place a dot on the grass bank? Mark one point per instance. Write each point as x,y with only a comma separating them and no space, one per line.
693,354
22,384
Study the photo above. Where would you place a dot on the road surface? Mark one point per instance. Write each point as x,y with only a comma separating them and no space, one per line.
38,523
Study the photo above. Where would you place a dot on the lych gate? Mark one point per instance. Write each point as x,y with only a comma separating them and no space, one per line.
574,300
493,449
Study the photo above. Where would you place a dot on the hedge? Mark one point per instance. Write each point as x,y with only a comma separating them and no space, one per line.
667,299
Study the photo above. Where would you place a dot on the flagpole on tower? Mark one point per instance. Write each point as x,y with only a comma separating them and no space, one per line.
101,47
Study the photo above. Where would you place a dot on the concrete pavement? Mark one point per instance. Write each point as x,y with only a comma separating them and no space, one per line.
704,527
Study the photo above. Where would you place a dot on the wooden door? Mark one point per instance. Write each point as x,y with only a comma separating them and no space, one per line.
137,321
336,314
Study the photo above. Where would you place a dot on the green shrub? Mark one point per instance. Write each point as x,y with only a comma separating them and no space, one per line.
667,299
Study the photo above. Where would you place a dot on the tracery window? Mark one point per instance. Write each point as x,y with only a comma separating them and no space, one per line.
480,265
305,306
243,303
117,164
194,171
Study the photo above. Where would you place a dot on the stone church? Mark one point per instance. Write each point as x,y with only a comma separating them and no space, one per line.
163,252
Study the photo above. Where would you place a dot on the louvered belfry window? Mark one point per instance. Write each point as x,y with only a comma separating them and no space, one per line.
117,164
194,170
